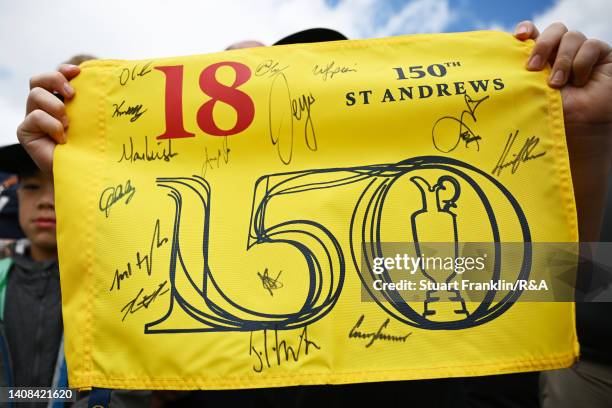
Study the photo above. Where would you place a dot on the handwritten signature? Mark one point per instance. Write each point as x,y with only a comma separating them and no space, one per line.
112,195
279,352
134,111
138,302
377,335
329,70
463,131
270,68
134,72
214,161
523,155
298,109
146,260
147,154
269,283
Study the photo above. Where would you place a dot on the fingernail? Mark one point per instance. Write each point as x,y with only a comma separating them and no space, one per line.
69,90
557,77
520,30
534,62
65,120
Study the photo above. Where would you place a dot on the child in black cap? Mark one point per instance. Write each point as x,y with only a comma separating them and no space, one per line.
30,301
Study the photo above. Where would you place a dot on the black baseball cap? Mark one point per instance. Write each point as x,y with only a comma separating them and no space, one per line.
9,213
312,35
15,160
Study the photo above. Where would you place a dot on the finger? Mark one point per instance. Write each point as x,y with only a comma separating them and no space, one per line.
42,99
69,70
39,124
545,46
53,82
590,54
562,66
41,151
526,30
40,148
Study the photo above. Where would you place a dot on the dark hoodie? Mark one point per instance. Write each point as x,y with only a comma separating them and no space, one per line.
33,320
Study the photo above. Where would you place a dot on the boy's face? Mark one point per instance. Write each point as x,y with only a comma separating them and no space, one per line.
37,211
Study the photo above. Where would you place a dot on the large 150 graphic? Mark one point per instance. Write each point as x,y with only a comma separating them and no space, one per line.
435,187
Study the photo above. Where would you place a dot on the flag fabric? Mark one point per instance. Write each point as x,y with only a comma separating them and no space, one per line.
254,218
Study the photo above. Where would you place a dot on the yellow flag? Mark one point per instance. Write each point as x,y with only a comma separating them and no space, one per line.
271,216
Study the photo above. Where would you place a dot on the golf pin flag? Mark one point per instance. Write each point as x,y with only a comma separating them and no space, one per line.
342,212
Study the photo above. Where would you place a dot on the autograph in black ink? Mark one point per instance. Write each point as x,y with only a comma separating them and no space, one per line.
523,155
270,68
377,335
134,72
214,161
279,351
270,283
146,260
464,132
145,301
147,154
112,195
134,111
329,70
281,105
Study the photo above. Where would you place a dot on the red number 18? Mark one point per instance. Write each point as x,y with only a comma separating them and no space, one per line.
231,95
